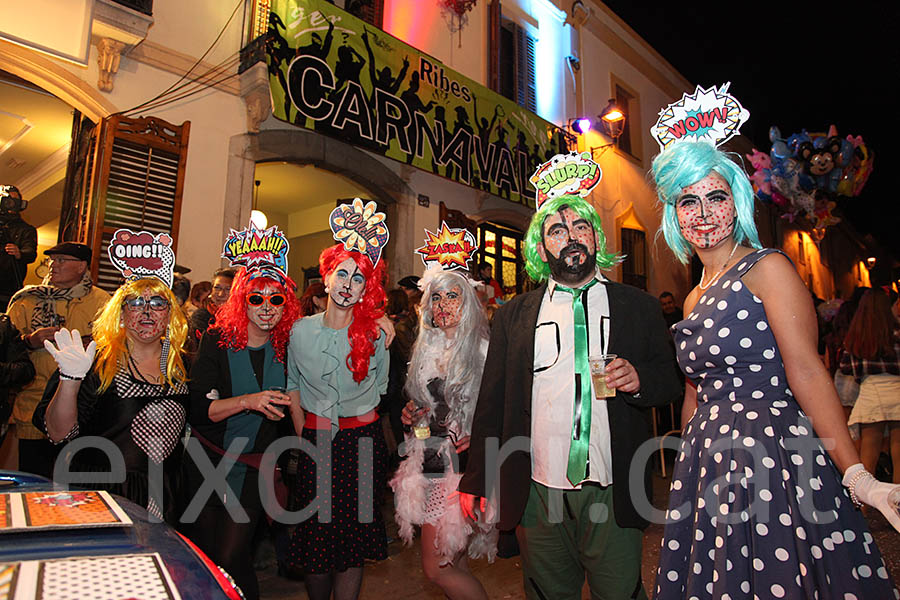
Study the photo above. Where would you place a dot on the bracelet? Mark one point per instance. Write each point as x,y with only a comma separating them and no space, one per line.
70,377
851,485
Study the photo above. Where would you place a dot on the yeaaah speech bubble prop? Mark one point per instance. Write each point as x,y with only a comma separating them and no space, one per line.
711,115
262,250
142,254
449,248
571,173
360,227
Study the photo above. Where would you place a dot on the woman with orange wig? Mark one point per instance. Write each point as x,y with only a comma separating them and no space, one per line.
238,404
337,371
134,394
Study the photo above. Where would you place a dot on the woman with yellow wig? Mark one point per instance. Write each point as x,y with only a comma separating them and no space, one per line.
134,394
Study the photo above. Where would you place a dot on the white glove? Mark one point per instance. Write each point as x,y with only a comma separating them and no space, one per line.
73,358
866,489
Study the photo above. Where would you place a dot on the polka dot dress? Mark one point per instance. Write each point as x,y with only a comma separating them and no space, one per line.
349,528
756,507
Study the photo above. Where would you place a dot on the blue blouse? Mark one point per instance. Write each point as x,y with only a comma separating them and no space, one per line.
317,367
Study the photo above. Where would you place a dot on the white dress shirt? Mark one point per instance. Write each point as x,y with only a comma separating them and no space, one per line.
553,390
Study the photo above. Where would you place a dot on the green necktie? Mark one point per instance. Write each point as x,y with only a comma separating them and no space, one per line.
581,421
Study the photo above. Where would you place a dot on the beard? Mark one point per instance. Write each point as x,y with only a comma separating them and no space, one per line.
573,265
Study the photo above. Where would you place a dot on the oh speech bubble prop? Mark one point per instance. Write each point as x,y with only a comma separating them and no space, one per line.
143,254
571,173
711,115
360,227
449,248
258,250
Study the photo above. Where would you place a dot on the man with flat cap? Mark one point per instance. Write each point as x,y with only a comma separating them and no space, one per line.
66,298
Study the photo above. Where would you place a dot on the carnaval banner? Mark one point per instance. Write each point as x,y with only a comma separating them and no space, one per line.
337,75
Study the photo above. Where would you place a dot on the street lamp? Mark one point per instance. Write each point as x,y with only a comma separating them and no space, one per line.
612,121
870,262
613,118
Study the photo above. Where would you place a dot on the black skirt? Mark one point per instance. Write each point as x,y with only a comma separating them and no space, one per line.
342,534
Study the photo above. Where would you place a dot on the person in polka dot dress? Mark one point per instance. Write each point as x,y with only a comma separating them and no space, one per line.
757,508
337,371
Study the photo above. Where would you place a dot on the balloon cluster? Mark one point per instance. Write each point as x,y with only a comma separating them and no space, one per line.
804,173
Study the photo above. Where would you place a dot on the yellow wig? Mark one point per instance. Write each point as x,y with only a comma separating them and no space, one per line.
109,333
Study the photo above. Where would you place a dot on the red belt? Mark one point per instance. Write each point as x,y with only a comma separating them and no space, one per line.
314,421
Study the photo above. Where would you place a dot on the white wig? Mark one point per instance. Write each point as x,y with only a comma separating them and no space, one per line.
462,357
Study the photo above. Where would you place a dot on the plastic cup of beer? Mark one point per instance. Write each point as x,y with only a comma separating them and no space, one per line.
598,364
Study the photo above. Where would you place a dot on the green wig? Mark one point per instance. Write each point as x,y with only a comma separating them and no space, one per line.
539,270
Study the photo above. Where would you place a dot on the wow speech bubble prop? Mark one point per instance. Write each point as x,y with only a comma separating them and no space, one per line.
142,254
449,248
360,227
262,250
571,173
711,115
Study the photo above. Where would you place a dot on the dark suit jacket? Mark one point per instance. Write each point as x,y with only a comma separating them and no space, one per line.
637,333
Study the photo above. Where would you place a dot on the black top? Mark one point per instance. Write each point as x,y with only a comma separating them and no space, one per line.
13,230
143,420
211,371
432,462
15,367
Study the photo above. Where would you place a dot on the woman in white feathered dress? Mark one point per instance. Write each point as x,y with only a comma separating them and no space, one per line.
443,382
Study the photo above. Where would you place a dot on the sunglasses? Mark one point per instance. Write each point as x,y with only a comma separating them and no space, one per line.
256,299
155,302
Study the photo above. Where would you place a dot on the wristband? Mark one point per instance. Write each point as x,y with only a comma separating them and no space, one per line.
65,377
853,481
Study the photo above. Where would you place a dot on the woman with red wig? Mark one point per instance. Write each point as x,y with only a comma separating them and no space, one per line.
238,404
337,371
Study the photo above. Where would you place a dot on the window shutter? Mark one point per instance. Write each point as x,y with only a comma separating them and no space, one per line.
634,267
494,46
135,182
525,71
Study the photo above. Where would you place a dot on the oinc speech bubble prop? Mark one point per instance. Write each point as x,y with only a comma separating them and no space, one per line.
142,254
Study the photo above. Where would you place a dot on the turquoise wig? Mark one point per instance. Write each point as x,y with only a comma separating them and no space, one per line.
685,163
539,270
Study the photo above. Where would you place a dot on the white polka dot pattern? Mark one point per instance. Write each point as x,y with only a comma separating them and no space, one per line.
752,476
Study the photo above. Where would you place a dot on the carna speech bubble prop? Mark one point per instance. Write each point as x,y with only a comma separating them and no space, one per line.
571,173
711,115
258,250
449,248
360,227
142,254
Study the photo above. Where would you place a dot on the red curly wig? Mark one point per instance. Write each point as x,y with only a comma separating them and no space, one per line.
231,318
362,331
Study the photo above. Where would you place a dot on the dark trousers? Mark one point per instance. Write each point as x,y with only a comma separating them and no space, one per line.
37,457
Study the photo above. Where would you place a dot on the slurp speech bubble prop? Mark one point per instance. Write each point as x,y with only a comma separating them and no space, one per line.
360,227
571,173
259,251
449,248
142,254
711,115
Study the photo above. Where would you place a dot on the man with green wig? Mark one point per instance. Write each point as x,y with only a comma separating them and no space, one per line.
561,479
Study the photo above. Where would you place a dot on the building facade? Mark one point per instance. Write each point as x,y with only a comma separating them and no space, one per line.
528,68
